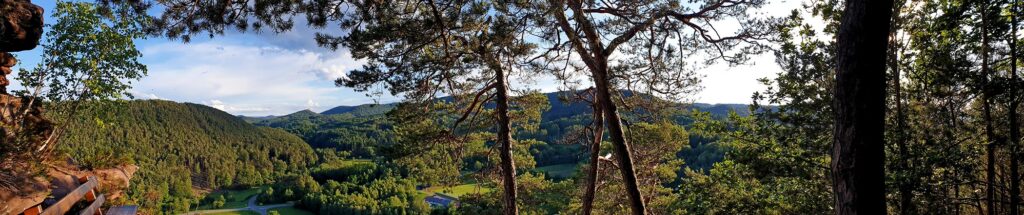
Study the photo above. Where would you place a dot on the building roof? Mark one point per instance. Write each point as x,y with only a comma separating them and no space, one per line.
439,200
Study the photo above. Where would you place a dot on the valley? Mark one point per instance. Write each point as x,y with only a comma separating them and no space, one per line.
176,144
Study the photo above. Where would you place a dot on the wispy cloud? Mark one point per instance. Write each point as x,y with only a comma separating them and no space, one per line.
245,79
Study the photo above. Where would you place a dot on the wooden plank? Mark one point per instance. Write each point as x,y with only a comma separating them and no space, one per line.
94,208
123,210
90,196
34,210
73,197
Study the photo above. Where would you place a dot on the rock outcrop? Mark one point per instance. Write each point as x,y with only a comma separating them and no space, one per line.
23,129
59,181
24,132
26,137
21,25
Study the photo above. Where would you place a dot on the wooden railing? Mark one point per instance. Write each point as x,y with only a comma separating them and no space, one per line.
85,191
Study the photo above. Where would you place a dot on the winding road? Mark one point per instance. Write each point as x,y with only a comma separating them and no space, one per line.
262,210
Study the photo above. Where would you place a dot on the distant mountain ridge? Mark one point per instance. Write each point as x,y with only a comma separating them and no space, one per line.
558,109
361,110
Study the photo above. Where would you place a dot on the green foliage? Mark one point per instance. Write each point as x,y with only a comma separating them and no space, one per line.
558,171
459,190
777,159
89,54
361,110
537,196
385,194
219,202
361,137
655,148
233,198
290,211
178,146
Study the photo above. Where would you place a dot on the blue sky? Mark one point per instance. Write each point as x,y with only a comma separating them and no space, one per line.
273,74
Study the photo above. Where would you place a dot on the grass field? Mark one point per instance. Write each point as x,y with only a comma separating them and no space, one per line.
237,213
235,198
457,191
558,171
290,211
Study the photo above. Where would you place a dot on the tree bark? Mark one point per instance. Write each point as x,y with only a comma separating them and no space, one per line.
619,143
595,161
597,62
1014,127
904,185
508,173
905,189
858,153
990,173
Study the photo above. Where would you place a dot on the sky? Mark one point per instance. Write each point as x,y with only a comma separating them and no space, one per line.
259,74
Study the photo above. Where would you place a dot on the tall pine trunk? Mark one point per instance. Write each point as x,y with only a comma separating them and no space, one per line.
1014,127
904,185
990,173
596,59
595,162
618,136
508,167
858,153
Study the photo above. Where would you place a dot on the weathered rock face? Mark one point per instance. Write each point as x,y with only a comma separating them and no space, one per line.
6,62
23,129
21,25
113,182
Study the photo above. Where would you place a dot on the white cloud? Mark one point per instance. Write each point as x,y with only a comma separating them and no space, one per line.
310,104
232,108
216,104
246,79
143,95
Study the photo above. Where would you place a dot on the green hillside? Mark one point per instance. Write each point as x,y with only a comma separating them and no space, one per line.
358,136
181,146
361,110
364,130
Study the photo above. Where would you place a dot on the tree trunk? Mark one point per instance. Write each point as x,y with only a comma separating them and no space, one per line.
595,161
597,62
1014,127
903,184
618,136
905,189
858,153
990,174
508,168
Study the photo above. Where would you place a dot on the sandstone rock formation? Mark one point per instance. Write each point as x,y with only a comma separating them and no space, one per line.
23,129
113,183
26,137
23,125
21,26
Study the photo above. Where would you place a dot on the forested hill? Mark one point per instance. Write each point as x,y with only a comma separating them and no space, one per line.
361,130
180,146
559,109
361,110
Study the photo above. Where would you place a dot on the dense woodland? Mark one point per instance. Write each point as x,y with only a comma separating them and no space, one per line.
182,147
881,106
